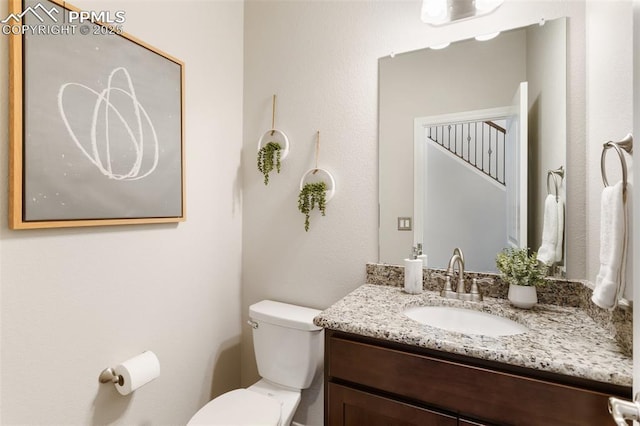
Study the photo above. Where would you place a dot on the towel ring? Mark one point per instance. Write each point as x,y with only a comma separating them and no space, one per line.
331,190
625,144
555,174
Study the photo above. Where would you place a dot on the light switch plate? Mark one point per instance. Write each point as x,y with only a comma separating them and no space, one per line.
404,224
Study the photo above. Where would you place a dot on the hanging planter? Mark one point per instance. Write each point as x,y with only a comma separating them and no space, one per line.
272,153
310,195
273,148
317,188
268,158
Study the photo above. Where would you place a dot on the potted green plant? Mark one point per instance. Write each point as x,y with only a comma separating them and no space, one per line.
523,272
312,194
268,159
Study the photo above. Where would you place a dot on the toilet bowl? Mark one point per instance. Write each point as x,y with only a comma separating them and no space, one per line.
260,404
239,407
289,353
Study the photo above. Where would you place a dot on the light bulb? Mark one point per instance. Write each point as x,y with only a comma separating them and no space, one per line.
485,37
439,46
433,9
485,6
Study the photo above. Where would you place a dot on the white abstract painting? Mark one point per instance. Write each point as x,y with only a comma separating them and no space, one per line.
102,128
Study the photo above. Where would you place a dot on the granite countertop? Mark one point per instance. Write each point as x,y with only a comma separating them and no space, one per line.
560,339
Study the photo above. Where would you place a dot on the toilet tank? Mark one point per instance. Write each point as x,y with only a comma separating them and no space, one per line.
289,348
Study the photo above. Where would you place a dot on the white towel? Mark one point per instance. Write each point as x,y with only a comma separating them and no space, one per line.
613,230
547,251
559,249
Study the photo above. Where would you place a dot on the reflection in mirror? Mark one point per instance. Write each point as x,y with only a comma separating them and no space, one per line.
424,89
482,153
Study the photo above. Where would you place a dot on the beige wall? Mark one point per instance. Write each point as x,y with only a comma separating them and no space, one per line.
609,107
547,120
636,201
321,60
76,301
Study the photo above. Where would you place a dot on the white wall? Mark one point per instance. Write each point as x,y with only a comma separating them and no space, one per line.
547,119
458,187
321,59
609,107
76,301
636,201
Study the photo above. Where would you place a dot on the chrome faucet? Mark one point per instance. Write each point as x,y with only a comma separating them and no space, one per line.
458,251
459,259
460,292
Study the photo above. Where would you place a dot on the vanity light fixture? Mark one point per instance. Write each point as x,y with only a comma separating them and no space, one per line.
485,37
440,12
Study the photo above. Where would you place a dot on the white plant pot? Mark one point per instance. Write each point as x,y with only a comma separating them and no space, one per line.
523,296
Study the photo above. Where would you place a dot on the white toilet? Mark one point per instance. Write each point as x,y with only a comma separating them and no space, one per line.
289,351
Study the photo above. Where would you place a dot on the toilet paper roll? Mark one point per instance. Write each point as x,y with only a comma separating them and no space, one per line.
136,372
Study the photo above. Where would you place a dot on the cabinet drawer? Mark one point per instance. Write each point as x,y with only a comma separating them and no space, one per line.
351,407
471,391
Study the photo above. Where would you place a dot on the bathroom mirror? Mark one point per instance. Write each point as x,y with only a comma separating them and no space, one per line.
466,77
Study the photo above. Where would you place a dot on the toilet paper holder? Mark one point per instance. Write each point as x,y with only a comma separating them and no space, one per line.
132,373
109,375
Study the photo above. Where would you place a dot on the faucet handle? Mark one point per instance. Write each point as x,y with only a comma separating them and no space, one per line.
447,290
439,275
447,283
485,280
476,296
433,275
474,286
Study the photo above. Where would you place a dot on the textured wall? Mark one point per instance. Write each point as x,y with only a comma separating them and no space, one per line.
609,108
321,59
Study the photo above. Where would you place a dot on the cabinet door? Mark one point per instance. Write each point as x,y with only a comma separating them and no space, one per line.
477,392
351,407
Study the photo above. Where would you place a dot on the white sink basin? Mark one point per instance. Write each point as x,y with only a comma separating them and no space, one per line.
465,321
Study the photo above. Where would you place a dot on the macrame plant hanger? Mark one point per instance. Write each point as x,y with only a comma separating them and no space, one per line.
273,147
282,137
319,174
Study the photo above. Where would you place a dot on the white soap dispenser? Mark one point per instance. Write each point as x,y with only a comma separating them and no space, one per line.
413,274
422,256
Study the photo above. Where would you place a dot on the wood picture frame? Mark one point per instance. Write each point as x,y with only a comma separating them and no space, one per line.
96,125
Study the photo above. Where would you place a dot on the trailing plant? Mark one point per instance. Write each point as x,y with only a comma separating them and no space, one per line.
520,268
310,195
268,159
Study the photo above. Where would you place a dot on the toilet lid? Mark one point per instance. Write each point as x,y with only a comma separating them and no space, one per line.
239,407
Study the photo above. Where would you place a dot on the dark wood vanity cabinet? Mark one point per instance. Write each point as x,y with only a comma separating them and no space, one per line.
378,383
